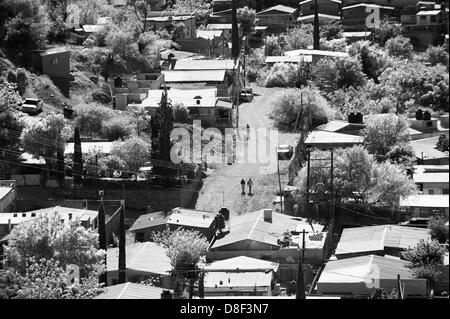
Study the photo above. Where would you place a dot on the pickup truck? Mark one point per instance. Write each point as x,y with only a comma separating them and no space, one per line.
32,106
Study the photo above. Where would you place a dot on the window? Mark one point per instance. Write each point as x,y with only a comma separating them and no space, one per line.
429,124
140,237
53,61
24,215
431,191
433,19
445,191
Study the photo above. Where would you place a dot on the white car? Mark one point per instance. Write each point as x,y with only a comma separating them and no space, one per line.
31,106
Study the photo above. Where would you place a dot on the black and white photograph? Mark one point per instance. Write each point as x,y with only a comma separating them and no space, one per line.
229,155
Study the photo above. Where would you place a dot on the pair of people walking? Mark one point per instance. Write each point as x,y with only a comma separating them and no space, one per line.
249,184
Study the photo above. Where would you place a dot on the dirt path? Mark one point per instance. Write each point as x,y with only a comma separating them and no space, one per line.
222,186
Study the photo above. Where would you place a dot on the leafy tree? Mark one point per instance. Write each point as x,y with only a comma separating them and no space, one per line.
436,55
45,236
185,248
331,30
77,158
10,128
133,151
45,279
247,18
287,108
42,137
299,37
399,46
388,29
57,18
285,75
112,163
426,259
117,127
141,120
199,7
181,114
22,81
336,45
373,60
438,229
9,97
383,132
91,10
402,154
272,46
443,143
165,115
90,117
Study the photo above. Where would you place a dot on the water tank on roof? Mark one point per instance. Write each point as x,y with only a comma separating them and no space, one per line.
359,118
426,116
352,118
118,82
225,213
419,115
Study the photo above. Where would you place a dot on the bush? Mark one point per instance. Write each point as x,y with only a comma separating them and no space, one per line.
22,81
438,229
399,46
90,117
117,127
89,43
284,75
101,96
437,54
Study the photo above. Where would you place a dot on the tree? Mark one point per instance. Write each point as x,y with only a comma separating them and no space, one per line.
117,127
443,143
388,29
399,47
10,128
181,114
42,138
247,18
299,37
383,132
272,46
437,55
199,7
141,120
141,9
316,26
10,99
102,242
331,30
45,279
287,108
186,249
426,259
235,39
285,75
438,229
165,115
373,59
122,253
90,117
45,236
133,151
77,171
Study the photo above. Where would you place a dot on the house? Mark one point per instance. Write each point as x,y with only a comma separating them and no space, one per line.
131,290
325,7
225,28
331,140
202,104
432,183
255,283
204,222
278,18
425,205
29,172
199,79
199,64
271,236
316,55
378,240
426,152
134,89
8,195
360,276
354,16
271,60
143,260
168,19
323,18
55,63
427,125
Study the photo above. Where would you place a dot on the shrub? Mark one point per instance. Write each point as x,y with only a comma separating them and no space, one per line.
399,46
90,117
117,127
89,43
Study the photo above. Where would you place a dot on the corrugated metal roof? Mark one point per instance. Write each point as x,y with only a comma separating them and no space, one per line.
235,280
427,146
150,220
333,126
147,257
242,263
364,269
185,97
194,76
83,214
323,138
376,238
204,65
425,201
281,8
131,291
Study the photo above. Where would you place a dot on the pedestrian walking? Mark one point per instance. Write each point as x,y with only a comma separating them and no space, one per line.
249,184
243,186
248,131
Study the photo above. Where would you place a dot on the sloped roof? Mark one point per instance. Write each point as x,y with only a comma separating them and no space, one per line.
333,126
323,16
131,290
194,76
316,52
324,138
191,217
427,146
204,65
280,8
145,257
425,201
92,28
289,59
209,34
185,97
55,51
376,238
242,263
149,220
177,54
307,1
220,26
367,5
356,34
233,280
361,269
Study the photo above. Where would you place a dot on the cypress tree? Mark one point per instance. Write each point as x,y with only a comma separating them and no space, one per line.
77,158
122,256
234,31
201,285
60,164
316,26
102,237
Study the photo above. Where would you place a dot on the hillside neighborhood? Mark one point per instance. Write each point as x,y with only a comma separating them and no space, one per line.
224,149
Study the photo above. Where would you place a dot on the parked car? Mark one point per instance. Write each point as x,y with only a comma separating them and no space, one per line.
246,95
32,106
285,152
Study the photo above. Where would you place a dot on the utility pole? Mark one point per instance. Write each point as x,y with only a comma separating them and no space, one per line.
332,190
300,291
399,286
279,181
303,245
299,113
308,154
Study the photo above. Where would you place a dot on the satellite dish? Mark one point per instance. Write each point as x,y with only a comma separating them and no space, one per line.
198,102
